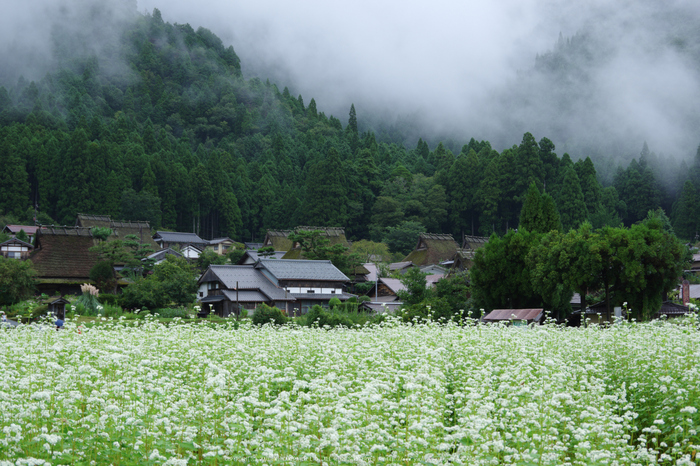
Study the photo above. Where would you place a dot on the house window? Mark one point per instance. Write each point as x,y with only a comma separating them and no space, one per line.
332,291
201,294
310,291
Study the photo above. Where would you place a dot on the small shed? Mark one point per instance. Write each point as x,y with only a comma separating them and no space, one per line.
515,316
57,307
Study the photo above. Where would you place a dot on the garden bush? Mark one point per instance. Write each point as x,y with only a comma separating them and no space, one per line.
265,314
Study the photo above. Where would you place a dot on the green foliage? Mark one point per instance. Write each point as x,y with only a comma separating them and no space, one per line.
403,238
209,257
17,280
234,256
102,274
101,233
173,281
416,287
22,236
317,316
265,314
500,277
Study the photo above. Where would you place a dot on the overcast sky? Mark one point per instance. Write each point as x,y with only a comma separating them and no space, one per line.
464,67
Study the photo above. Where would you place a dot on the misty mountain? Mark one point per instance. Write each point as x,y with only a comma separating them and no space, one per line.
142,119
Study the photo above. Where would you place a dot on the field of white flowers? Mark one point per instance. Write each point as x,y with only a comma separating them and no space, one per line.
148,393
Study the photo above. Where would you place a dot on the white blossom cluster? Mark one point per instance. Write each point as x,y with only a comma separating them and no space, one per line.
186,394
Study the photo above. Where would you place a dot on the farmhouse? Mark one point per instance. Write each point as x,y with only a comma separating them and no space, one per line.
15,249
62,259
292,285
432,249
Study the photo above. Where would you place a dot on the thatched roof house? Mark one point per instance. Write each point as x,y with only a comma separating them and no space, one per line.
432,249
279,239
62,259
120,228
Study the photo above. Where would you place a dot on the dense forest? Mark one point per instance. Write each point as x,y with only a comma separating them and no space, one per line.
178,137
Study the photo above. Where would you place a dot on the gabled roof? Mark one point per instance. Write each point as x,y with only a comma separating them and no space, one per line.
220,240
243,277
251,257
64,252
283,269
18,242
432,249
278,240
474,242
161,253
394,284
14,229
120,228
179,237
401,265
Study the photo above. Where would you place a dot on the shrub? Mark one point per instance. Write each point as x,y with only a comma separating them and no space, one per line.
333,303
265,314
102,273
318,316
16,280
111,299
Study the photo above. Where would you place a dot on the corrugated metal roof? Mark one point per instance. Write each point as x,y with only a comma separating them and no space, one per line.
284,269
514,314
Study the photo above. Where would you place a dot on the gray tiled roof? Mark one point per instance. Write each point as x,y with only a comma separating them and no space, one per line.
179,237
248,278
251,257
297,269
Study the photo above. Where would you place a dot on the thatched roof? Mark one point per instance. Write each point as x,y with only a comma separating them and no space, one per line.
279,239
432,249
64,253
120,228
474,242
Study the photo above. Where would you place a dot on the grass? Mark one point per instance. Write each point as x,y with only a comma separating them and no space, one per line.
145,392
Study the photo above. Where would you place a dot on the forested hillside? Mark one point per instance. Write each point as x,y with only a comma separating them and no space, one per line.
178,137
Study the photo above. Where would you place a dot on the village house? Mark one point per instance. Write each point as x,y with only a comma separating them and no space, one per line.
251,257
13,231
120,228
432,249
179,240
222,246
15,249
279,239
292,285
62,259
463,258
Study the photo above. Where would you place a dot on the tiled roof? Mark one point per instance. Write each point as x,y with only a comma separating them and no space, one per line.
516,314
394,284
252,296
28,229
284,269
179,237
64,253
220,240
253,256
247,277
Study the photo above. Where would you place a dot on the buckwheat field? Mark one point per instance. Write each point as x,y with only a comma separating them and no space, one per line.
149,393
